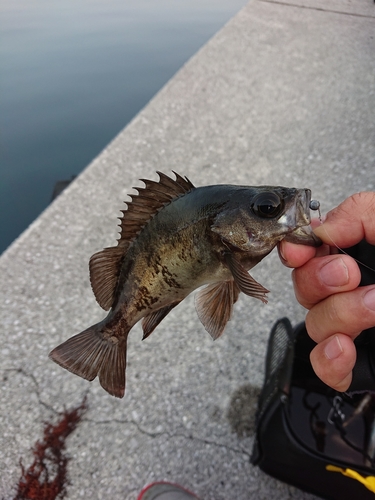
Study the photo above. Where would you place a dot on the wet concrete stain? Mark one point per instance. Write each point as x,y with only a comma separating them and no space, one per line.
242,409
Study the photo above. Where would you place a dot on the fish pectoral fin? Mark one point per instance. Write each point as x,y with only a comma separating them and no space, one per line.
214,305
151,321
245,282
89,354
104,272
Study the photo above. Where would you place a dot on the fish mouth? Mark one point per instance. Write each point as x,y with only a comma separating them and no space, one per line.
298,219
304,235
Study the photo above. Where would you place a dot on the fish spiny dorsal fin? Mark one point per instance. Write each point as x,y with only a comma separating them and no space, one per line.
147,203
105,265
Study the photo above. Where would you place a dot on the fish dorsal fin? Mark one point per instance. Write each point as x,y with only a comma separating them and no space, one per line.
244,281
104,271
214,305
105,265
147,203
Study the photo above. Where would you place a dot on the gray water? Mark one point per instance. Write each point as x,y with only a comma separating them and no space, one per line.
73,74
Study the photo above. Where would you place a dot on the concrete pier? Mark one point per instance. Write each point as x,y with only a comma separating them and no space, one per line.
284,94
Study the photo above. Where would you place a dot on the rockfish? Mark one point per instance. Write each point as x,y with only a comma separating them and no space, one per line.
175,238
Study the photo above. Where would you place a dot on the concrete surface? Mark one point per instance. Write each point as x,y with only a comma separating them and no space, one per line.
283,94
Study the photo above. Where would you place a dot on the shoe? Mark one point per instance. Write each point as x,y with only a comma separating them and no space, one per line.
165,491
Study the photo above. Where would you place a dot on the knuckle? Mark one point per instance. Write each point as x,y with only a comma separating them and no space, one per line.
334,310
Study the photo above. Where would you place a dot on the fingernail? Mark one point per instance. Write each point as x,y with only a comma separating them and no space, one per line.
280,249
334,273
333,349
369,299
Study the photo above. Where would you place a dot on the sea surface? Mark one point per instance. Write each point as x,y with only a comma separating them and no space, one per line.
73,73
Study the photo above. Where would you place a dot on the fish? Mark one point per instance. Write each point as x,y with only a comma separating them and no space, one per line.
175,238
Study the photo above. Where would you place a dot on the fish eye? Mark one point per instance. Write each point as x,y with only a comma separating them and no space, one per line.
267,205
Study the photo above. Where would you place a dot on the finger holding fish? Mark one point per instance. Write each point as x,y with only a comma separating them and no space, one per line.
295,256
323,269
328,285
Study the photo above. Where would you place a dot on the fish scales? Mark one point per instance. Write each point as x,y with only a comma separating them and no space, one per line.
178,243
174,239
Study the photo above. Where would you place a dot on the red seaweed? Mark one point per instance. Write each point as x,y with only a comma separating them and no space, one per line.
46,478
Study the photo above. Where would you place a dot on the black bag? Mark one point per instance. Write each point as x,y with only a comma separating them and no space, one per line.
307,434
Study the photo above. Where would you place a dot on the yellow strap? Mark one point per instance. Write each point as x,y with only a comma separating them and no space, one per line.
368,481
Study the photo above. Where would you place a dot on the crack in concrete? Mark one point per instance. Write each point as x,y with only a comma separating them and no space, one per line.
143,431
168,434
32,377
321,9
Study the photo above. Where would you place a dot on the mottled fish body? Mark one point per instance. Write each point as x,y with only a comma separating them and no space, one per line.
175,238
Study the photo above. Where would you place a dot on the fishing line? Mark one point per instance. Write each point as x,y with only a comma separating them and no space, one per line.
315,205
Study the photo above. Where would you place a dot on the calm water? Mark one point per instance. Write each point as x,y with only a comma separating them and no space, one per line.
73,74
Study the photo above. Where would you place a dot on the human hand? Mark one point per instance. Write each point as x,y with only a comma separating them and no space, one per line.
326,283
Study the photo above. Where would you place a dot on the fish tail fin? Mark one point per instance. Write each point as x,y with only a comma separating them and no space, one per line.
90,354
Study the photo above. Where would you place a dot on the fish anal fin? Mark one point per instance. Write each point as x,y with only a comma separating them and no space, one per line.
151,321
89,354
104,272
214,305
245,282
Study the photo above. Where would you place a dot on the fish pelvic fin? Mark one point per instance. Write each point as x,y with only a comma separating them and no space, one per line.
151,321
245,282
214,306
90,354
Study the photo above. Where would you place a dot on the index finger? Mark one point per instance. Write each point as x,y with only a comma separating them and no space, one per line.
294,255
350,222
